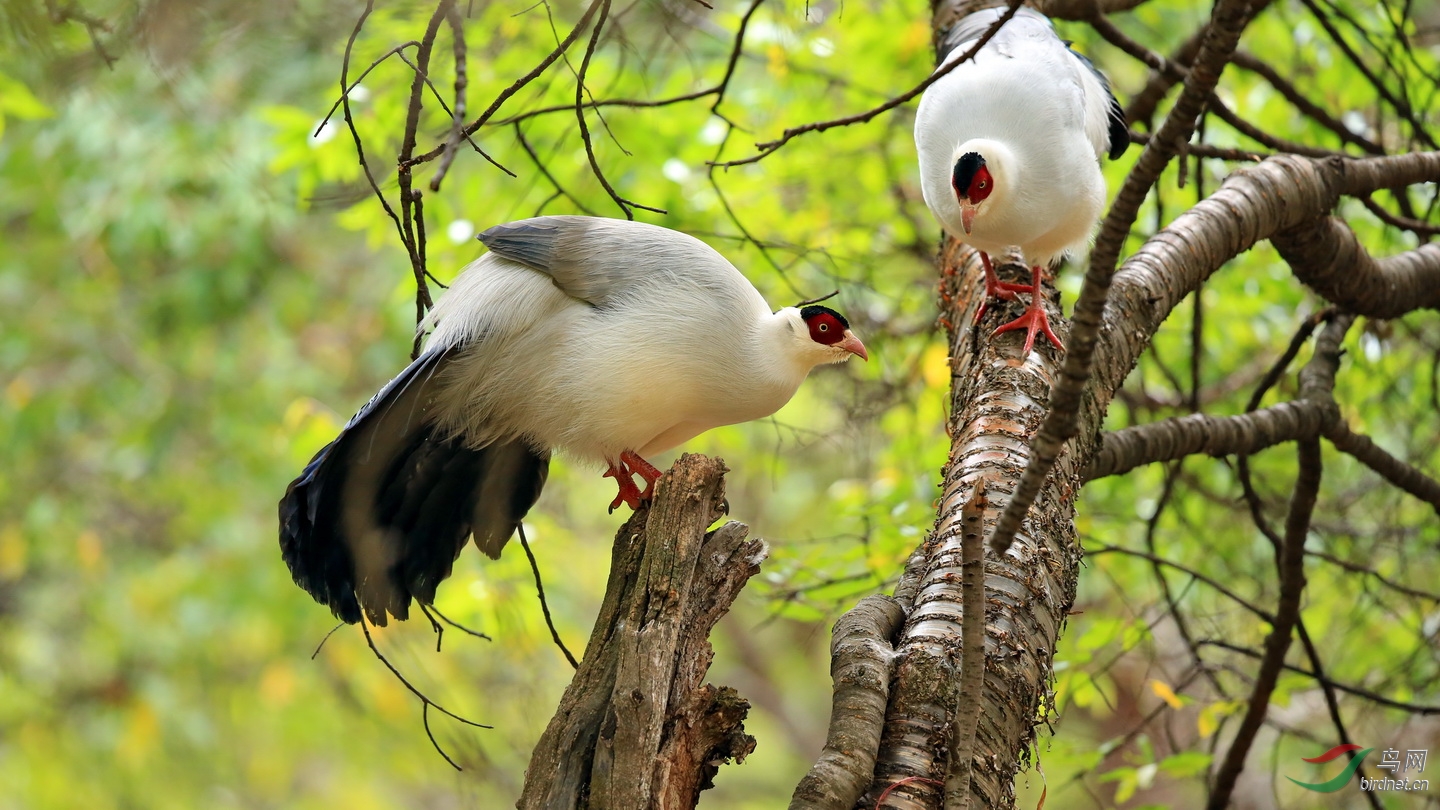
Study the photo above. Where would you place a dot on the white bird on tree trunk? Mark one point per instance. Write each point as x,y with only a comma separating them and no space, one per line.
1010,145
604,339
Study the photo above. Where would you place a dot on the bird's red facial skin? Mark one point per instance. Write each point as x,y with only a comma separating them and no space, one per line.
825,329
980,186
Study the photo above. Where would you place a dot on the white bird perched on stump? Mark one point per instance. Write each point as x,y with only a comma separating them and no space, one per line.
605,339
1010,145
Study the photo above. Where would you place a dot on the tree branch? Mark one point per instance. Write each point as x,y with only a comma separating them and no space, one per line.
869,115
1389,467
861,661
1291,567
1171,439
972,654
1349,689
1327,257
1253,204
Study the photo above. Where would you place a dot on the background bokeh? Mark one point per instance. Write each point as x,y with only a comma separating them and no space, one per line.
197,288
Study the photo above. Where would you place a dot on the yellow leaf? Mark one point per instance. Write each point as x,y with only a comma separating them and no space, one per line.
1165,693
277,684
935,366
16,100
12,552
89,549
1209,719
142,730
775,62
19,392
915,37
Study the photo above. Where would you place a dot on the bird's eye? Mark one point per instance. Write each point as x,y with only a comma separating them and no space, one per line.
824,327
983,185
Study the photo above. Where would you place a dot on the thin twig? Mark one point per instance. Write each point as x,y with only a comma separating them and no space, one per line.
544,605
321,645
790,134
520,83
457,117
425,701
1374,697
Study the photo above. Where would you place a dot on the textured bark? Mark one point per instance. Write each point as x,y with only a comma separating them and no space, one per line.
1170,439
1253,204
1317,383
861,660
636,728
998,400
972,653
1325,254
1391,468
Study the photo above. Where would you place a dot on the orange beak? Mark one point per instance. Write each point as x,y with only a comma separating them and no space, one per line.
852,344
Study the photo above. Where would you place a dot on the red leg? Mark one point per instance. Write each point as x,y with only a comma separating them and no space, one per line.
645,470
1034,320
995,288
629,494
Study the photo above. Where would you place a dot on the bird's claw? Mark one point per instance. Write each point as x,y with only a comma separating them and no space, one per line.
997,289
631,495
1034,320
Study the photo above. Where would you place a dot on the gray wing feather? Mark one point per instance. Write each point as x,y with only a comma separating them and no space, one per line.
600,261
973,26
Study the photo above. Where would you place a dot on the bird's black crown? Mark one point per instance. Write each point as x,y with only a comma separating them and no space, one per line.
815,309
965,169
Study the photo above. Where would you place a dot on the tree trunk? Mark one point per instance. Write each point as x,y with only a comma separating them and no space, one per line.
998,400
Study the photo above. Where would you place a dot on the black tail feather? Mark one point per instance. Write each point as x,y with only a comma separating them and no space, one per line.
380,514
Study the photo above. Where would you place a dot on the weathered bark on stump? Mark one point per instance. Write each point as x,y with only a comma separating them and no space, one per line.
636,728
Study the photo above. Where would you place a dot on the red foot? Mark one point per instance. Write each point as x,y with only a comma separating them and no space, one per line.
645,470
1034,320
629,494
995,288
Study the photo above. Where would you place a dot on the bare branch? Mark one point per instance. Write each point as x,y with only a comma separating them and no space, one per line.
1096,549
521,82
1421,229
1367,694
1206,150
865,117
861,662
972,653
1389,467
637,727
1401,106
1254,133
1327,257
544,603
1291,565
1252,204
457,116
1170,439
1310,109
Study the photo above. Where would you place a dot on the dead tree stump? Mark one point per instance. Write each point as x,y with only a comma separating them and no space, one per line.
636,728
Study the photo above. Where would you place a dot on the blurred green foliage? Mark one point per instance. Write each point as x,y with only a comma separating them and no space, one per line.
198,289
